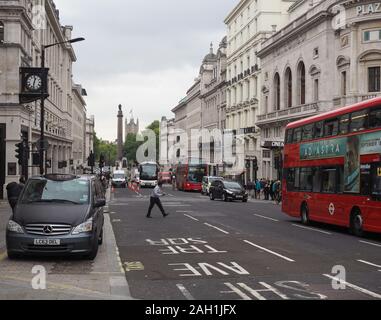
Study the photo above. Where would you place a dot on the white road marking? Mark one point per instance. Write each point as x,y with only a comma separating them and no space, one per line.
185,292
214,227
191,217
371,243
258,215
312,229
350,285
234,289
369,263
269,251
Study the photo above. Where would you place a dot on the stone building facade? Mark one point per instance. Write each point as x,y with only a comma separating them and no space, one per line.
249,24
20,46
327,57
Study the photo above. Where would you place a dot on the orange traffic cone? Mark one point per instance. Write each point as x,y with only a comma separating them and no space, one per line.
112,189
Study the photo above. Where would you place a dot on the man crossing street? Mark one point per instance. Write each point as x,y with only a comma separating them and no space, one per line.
155,200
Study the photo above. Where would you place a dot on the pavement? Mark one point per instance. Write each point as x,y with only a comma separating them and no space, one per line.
212,250
66,279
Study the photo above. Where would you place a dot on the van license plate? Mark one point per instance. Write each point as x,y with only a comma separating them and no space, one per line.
47,242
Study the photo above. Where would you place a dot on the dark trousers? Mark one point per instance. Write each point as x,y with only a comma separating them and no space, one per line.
12,203
154,201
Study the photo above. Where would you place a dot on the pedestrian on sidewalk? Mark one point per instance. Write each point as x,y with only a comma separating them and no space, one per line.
13,192
155,200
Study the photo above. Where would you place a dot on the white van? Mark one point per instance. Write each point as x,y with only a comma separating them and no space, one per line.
119,179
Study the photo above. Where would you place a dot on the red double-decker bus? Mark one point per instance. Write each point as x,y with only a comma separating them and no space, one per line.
189,177
332,168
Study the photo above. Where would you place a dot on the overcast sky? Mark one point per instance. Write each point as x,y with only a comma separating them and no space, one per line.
143,54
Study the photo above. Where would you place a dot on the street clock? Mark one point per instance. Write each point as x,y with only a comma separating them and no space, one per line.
34,84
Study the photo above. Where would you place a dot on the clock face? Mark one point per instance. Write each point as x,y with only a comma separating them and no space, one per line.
34,82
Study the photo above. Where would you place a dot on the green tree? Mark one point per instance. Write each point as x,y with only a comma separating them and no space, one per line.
108,149
131,145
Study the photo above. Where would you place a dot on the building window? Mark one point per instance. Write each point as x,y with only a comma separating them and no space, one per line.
372,35
374,79
344,83
316,90
302,83
1,32
277,92
316,53
266,154
288,88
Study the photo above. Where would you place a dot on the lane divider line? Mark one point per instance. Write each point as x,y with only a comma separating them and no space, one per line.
190,217
269,251
357,288
185,292
369,263
371,243
312,229
214,227
268,218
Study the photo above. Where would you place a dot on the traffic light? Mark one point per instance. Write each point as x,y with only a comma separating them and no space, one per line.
20,152
102,161
91,160
255,163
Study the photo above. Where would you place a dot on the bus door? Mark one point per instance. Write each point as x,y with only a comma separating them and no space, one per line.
371,186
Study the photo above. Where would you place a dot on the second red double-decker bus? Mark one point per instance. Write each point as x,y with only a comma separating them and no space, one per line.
332,168
189,176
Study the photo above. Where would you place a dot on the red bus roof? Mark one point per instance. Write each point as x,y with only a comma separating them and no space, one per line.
332,114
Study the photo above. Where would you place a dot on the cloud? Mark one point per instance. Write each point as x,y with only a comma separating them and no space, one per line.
154,46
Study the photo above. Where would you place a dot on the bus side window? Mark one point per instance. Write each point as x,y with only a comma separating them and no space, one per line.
375,118
307,132
297,135
316,183
331,127
340,179
365,182
289,136
359,121
344,124
318,132
306,180
290,179
329,180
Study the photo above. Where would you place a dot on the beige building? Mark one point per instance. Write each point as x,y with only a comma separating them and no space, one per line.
213,106
20,46
78,129
328,56
89,137
249,24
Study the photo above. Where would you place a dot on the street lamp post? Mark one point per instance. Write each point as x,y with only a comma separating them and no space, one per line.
42,120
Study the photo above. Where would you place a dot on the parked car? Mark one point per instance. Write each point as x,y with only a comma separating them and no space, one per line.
207,182
57,215
119,179
227,191
165,177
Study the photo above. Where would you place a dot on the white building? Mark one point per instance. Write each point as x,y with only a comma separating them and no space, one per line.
78,129
89,138
328,56
20,46
249,24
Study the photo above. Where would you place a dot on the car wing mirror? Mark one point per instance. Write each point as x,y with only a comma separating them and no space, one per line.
100,203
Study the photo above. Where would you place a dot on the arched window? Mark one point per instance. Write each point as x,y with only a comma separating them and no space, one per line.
301,83
277,92
288,91
1,32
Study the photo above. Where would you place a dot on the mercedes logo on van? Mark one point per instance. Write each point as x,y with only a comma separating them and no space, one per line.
48,229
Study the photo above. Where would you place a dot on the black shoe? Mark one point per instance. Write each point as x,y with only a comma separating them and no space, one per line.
149,217
165,215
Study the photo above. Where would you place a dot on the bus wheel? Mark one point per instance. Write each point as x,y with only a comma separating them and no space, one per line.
356,223
305,215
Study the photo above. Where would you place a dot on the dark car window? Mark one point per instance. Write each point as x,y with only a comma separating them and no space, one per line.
232,185
74,191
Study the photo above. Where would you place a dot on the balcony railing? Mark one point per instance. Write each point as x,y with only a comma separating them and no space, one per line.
303,110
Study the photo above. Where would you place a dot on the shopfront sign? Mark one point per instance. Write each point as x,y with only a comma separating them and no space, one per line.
273,144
